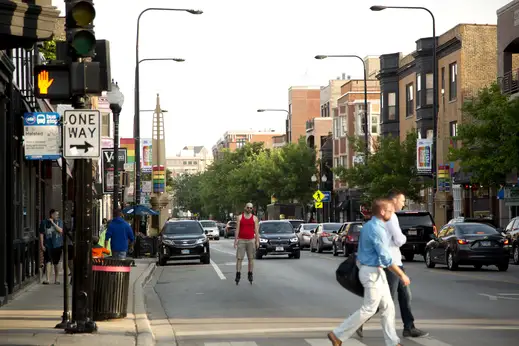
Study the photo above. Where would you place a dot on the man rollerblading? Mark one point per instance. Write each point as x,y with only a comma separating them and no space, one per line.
246,241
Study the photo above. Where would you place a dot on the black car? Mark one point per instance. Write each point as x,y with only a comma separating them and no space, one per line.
183,240
468,243
419,228
230,229
278,238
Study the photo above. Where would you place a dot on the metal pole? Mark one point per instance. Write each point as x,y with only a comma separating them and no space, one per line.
65,319
366,115
435,112
116,111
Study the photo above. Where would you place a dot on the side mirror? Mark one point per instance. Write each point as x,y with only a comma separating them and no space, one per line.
297,231
206,231
312,231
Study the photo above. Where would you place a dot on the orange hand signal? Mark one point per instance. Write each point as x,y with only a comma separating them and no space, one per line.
43,82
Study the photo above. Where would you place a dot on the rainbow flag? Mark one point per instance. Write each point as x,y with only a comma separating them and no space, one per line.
129,144
159,179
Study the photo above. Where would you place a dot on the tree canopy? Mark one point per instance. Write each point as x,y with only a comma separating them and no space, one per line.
489,136
391,166
249,174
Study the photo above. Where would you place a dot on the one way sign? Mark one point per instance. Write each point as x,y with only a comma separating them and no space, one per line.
82,137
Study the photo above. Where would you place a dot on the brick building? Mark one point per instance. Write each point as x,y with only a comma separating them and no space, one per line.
304,103
233,140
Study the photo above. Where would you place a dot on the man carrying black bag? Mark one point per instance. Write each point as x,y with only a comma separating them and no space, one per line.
373,256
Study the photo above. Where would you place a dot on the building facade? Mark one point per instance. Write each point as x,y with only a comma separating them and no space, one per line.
233,140
190,160
304,103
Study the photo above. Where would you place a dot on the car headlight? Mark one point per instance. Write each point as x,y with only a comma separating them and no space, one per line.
262,240
201,240
293,240
168,241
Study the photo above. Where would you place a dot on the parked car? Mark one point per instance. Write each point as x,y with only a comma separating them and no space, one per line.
221,228
304,234
277,237
211,229
230,229
512,234
183,240
347,240
419,228
322,237
468,243
295,223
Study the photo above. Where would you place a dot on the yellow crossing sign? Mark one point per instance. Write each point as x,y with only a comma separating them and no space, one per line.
318,205
318,196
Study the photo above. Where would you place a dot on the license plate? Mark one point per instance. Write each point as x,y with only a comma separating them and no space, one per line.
485,243
185,252
412,232
280,248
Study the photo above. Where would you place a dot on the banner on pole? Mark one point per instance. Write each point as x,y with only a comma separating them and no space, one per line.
424,156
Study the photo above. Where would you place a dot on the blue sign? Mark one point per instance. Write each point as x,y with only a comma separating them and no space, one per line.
41,136
327,196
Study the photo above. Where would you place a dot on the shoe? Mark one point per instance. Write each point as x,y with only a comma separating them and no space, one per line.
360,332
335,341
238,277
250,277
414,333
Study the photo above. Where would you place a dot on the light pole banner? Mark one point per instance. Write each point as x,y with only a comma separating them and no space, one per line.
146,155
424,156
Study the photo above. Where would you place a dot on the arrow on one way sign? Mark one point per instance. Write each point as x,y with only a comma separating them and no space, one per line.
81,134
84,147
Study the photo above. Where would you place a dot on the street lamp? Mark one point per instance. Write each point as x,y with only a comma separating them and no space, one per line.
366,117
137,118
261,110
116,100
324,179
313,178
435,82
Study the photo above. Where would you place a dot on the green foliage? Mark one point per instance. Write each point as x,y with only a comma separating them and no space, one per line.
489,136
391,166
49,50
170,182
250,174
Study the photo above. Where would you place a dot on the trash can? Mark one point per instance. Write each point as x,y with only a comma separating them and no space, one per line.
111,288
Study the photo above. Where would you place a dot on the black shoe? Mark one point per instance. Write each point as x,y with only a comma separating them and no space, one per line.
360,332
238,277
414,333
250,277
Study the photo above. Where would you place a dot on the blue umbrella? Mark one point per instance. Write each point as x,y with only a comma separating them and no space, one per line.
139,210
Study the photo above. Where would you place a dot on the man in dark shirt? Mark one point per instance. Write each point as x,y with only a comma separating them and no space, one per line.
51,242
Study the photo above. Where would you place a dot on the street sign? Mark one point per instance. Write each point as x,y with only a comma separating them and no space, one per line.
41,138
108,162
318,196
81,137
327,196
318,205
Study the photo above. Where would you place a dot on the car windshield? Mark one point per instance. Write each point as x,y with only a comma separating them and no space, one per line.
183,228
309,227
295,223
332,226
208,223
276,227
414,220
475,229
355,229
232,224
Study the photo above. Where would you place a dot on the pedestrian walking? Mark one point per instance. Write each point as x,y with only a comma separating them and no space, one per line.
246,241
118,236
51,243
398,291
373,255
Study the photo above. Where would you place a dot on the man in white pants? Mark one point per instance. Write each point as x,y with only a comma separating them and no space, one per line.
373,256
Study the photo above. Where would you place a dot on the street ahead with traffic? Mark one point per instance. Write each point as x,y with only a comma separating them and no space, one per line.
298,301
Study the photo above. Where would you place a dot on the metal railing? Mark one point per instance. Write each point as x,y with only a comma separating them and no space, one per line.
23,78
509,82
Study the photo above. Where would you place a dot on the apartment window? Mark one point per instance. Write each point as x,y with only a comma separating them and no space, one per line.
453,81
361,119
344,161
453,132
336,124
375,124
391,106
429,96
443,81
336,162
418,90
381,100
343,126
409,96
240,142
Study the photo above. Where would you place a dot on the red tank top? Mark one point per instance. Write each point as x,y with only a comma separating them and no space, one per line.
247,227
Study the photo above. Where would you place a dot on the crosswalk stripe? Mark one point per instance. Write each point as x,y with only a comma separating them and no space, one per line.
236,343
326,342
426,341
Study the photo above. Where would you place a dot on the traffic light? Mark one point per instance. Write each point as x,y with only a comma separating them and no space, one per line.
80,28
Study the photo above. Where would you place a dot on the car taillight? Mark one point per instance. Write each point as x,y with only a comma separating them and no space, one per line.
324,234
462,241
505,242
350,238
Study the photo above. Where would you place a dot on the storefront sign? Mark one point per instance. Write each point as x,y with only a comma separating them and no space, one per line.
108,167
424,156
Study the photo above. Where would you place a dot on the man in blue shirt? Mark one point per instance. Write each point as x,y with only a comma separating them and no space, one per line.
372,257
119,233
51,243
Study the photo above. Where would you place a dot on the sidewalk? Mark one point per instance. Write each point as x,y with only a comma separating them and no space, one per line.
30,318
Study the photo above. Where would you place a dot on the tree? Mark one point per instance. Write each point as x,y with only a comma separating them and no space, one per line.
489,136
187,193
170,182
391,166
49,50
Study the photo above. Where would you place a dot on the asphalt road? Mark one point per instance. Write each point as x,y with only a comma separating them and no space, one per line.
296,302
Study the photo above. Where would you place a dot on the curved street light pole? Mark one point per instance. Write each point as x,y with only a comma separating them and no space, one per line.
366,116
435,86
261,110
136,120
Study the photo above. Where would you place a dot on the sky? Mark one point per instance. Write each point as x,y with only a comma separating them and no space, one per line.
244,55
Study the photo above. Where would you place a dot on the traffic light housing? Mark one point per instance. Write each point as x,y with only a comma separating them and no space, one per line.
79,25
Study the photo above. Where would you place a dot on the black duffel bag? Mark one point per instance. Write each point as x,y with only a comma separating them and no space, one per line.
348,276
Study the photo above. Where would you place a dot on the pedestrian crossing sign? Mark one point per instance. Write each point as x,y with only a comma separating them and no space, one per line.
318,205
318,196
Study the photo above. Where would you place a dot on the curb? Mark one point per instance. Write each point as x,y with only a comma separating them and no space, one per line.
143,328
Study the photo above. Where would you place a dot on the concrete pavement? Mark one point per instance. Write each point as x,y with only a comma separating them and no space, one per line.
30,318
295,302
